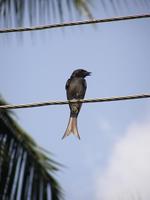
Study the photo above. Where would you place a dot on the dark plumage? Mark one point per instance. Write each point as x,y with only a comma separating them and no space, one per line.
75,89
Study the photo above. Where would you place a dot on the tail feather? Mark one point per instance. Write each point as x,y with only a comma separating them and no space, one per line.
72,128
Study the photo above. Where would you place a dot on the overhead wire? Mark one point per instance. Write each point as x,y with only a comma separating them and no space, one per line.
96,100
58,25
76,23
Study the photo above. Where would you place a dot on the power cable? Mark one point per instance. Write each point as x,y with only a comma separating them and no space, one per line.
77,23
48,103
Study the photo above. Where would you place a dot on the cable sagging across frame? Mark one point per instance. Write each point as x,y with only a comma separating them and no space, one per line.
77,23
96,100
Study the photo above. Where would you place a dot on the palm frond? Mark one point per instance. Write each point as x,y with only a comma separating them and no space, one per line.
26,172
84,7
15,12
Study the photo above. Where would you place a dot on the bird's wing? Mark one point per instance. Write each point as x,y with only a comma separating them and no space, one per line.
84,84
67,84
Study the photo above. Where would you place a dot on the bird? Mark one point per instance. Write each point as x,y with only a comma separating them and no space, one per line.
75,89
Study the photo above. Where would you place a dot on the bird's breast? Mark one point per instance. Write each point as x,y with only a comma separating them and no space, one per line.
76,89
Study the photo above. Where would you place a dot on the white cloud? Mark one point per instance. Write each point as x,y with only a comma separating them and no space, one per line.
127,175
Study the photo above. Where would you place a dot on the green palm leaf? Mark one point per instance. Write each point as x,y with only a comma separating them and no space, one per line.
26,172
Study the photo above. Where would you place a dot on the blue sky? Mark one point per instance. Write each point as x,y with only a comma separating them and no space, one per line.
118,55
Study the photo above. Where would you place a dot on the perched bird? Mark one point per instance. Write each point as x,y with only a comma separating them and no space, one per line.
75,89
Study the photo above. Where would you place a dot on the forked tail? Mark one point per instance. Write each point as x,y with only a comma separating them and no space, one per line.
72,128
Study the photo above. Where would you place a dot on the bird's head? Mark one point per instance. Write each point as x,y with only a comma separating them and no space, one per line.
80,73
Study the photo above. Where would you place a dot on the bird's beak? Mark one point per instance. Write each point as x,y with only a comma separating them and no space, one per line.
88,74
